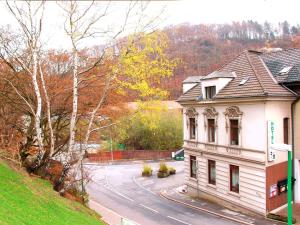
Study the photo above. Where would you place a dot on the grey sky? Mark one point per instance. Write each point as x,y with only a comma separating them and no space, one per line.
176,12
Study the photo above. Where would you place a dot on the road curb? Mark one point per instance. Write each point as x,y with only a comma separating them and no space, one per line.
164,195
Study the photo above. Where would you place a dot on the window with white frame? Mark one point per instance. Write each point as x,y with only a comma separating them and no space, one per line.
210,124
210,92
233,117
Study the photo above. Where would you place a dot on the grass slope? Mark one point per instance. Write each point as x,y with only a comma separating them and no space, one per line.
26,200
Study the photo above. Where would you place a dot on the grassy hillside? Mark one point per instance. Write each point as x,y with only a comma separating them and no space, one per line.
26,200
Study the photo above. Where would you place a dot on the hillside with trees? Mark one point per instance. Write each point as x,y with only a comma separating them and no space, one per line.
202,48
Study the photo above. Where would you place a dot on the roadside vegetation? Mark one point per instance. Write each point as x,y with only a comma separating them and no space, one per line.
28,200
151,128
165,171
147,171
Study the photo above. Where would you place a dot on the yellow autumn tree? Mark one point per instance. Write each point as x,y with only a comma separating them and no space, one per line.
143,65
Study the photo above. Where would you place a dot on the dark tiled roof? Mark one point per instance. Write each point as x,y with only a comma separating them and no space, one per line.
194,94
278,60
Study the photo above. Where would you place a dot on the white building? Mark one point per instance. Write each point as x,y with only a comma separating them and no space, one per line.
230,119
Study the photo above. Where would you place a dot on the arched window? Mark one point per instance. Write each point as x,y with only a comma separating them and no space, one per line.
210,124
234,125
191,122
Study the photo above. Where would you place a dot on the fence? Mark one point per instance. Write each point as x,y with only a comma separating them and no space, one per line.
130,155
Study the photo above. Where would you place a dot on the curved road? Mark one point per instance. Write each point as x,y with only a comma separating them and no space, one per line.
122,189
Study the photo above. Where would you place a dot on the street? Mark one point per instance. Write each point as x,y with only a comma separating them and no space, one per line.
122,189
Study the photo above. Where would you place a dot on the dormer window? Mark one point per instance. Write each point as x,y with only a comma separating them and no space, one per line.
244,81
285,70
210,92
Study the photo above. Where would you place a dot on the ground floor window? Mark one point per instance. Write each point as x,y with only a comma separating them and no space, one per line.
234,178
234,132
193,166
212,172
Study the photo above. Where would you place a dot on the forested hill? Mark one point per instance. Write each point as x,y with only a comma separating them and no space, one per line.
203,48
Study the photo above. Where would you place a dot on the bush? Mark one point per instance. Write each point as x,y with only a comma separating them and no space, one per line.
162,175
147,171
151,130
163,170
172,170
163,167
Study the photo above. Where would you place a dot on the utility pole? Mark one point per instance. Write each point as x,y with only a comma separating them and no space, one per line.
111,150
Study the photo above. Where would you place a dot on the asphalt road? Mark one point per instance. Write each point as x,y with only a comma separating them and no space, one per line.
122,189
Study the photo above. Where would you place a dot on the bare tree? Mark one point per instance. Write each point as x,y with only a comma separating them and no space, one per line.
25,54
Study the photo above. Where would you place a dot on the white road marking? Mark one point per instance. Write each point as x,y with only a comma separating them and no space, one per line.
146,207
141,186
108,186
180,221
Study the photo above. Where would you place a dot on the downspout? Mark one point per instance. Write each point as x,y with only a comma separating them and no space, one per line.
293,136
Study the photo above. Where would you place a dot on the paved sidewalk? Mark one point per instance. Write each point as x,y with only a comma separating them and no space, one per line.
296,212
108,216
216,209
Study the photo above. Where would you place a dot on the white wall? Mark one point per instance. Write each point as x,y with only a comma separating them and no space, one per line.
218,82
253,126
297,176
188,86
297,130
297,151
277,111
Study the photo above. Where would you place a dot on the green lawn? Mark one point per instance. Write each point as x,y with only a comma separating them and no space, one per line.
26,200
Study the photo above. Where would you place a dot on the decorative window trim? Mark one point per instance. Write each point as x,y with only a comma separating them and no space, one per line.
210,113
191,113
233,113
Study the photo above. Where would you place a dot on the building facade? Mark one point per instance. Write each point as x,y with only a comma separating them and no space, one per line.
231,119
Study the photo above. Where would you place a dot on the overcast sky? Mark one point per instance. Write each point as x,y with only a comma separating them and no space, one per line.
176,12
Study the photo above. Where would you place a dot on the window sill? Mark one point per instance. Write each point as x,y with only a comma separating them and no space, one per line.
213,186
234,194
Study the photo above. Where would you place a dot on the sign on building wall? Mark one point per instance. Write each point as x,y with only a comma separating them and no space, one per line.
271,140
273,190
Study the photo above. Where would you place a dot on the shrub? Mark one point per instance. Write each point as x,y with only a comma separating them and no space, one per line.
147,171
172,170
163,170
162,175
151,130
163,167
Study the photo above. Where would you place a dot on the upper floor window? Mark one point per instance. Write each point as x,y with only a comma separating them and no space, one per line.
210,124
286,130
211,130
233,117
191,122
192,128
210,92
234,132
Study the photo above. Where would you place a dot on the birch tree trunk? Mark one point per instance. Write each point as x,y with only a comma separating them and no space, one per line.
52,140
75,102
38,112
